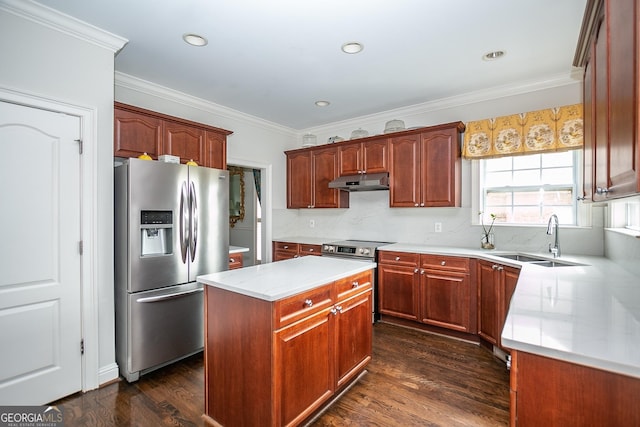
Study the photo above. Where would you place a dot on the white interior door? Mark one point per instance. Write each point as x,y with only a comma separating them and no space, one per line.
40,276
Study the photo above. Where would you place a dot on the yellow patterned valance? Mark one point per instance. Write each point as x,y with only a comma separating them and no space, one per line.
553,129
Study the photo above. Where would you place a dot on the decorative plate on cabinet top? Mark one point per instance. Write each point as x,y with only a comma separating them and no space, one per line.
359,133
333,139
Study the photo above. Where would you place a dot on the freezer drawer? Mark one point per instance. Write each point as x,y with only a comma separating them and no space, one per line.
164,325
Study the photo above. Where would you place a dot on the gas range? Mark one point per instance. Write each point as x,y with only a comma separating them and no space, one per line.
362,249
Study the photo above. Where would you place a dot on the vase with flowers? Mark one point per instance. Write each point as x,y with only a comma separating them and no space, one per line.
487,241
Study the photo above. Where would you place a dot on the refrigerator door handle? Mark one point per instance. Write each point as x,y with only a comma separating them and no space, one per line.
193,205
169,296
184,223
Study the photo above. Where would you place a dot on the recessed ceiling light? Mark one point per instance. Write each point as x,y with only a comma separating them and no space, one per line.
195,40
352,47
493,55
322,103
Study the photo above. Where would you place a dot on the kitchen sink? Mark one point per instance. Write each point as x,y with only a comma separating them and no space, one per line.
542,262
522,258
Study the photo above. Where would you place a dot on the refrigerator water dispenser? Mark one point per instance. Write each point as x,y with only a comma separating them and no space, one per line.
156,233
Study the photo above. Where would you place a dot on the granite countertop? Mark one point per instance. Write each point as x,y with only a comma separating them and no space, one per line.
277,280
587,314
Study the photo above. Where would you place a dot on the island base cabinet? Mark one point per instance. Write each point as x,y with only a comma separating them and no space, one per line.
277,363
303,368
550,392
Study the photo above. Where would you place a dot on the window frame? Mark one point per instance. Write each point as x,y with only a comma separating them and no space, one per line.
581,211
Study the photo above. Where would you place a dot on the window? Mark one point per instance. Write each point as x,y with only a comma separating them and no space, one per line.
528,189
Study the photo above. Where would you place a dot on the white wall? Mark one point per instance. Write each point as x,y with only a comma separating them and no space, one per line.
40,58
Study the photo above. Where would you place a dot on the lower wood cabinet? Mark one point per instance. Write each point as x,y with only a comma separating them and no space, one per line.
447,294
277,363
430,289
496,284
235,261
550,392
288,250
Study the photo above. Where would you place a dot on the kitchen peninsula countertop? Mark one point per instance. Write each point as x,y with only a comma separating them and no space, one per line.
586,314
237,249
277,280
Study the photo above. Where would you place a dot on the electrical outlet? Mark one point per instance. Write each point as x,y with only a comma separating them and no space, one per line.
312,223
438,227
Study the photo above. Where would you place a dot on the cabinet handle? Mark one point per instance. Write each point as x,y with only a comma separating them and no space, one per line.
602,190
443,263
308,303
355,284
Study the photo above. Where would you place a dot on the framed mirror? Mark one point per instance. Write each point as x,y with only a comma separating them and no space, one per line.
236,195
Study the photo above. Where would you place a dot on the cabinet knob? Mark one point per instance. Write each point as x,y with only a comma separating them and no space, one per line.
286,246
416,205
500,268
232,260
355,284
422,205
397,258
308,303
494,266
296,256
310,249
334,311
421,271
443,263
416,270
602,190
339,308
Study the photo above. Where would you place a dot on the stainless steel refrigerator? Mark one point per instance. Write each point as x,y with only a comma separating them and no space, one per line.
171,225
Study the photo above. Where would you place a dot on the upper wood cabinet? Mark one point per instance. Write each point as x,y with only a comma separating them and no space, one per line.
425,168
138,131
308,175
608,50
358,157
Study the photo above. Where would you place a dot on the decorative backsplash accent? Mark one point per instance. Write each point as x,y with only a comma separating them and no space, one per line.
552,129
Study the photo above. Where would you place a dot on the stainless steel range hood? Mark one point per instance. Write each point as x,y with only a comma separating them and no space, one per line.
364,182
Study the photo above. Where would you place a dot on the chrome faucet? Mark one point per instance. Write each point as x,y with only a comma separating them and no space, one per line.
554,223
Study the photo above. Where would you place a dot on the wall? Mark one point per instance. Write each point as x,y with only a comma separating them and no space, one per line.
40,58
369,216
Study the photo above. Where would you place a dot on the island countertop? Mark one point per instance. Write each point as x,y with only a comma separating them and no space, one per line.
277,280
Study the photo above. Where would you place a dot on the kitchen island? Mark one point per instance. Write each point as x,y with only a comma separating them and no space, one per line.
283,339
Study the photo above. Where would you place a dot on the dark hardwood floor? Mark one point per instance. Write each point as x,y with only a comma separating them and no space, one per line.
414,379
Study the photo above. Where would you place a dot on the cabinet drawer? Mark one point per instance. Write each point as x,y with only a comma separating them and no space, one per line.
286,246
353,284
299,306
310,249
399,258
441,262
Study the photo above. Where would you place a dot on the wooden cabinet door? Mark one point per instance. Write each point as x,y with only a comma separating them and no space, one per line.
375,156
304,370
489,301
353,336
299,180
184,141
509,280
601,111
439,168
324,166
135,134
404,171
398,291
445,299
622,23
215,146
589,119
350,160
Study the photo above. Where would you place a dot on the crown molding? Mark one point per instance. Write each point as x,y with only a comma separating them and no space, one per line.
484,95
143,86
63,23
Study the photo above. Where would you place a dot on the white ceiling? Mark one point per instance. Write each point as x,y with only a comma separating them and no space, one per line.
273,59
